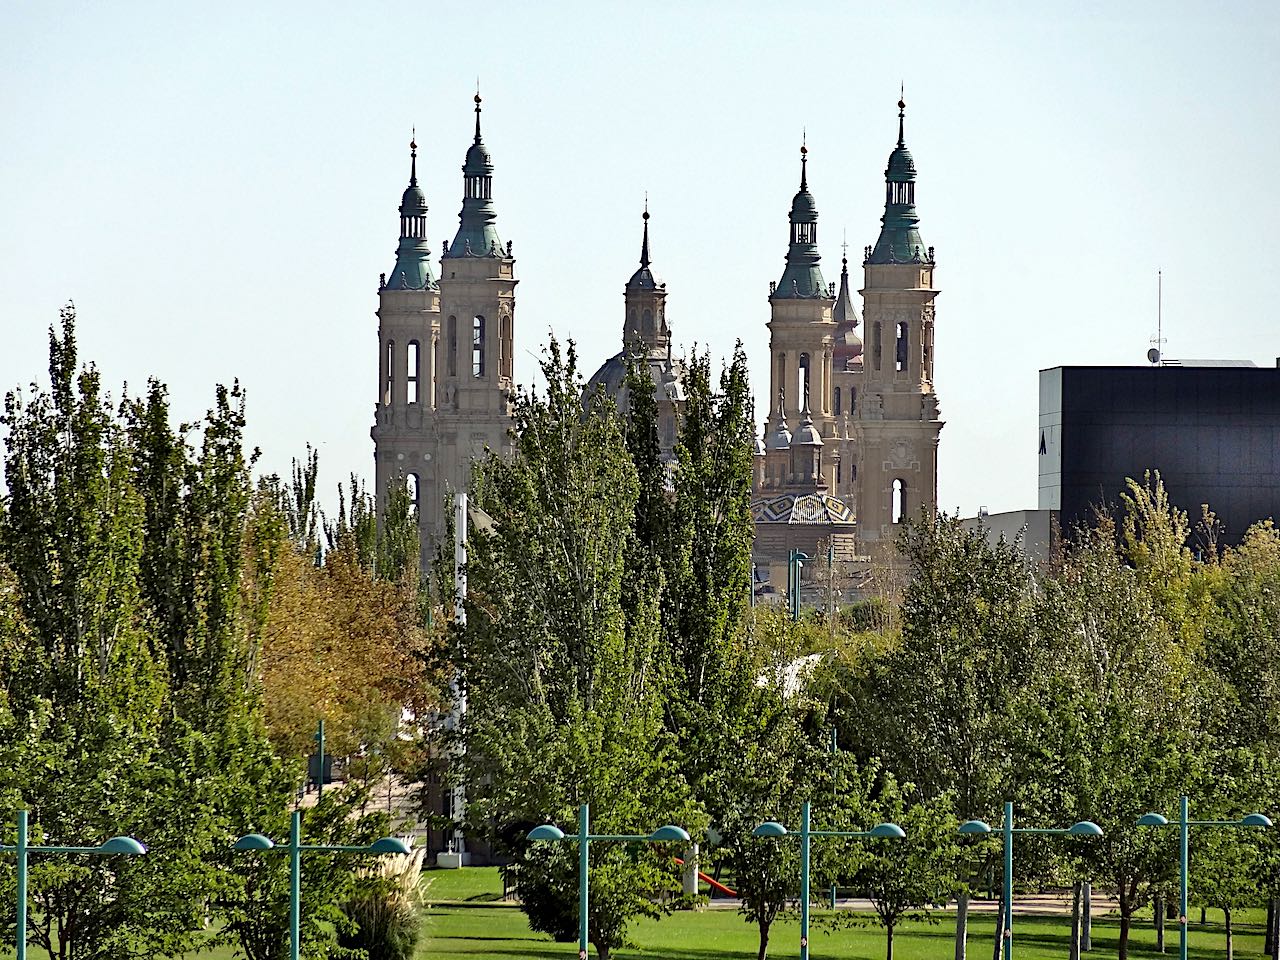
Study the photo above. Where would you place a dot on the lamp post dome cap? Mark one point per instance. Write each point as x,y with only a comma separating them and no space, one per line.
1153,820
390,845
1255,820
126,845
975,826
1085,828
670,832
253,841
888,831
548,831
770,828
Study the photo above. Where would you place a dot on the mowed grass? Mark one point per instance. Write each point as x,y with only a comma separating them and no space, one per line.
468,921
464,923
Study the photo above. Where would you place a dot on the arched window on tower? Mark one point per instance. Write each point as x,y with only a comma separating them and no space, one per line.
875,345
413,487
853,400
837,402
390,373
898,509
451,347
900,351
782,374
646,324
412,371
504,346
803,381
477,346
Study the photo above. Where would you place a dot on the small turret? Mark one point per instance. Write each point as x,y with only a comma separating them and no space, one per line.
848,345
646,308
802,277
899,240
477,230
413,260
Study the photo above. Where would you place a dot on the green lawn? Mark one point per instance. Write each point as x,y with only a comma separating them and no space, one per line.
468,921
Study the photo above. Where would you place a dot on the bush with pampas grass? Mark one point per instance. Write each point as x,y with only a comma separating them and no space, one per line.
386,908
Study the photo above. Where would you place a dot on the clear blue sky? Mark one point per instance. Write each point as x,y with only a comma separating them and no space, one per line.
215,186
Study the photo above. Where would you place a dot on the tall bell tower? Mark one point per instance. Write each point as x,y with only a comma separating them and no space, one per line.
801,327
403,431
896,421
474,363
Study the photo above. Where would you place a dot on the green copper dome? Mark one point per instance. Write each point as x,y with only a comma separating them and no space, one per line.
413,260
802,277
899,240
477,229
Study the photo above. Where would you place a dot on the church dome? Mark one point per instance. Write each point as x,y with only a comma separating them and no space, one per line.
414,202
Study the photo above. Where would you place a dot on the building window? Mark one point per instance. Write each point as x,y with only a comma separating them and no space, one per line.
413,487
504,346
838,471
390,373
782,373
900,353
803,382
899,505
413,369
477,346
646,323
875,345
451,348
853,400
837,397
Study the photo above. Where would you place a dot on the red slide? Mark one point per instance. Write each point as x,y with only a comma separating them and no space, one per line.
714,884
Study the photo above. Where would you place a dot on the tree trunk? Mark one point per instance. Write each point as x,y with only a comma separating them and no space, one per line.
1275,931
1086,919
1226,919
962,924
764,941
997,950
1075,921
1126,920
888,942
1268,941
602,951
1157,914
1203,918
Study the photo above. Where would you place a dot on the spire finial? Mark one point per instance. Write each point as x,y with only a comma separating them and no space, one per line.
477,109
413,157
844,250
902,107
644,244
804,159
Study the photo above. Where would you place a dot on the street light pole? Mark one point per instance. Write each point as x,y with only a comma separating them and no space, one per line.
256,841
1184,831
23,850
771,828
1084,828
549,831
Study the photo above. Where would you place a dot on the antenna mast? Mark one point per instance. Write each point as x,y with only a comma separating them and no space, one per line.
1154,355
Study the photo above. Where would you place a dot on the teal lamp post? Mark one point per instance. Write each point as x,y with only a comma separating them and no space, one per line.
1085,828
771,828
795,561
126,846
256,841
1184,828
584,837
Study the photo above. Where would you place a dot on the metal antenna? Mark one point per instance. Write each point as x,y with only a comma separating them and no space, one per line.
1155,354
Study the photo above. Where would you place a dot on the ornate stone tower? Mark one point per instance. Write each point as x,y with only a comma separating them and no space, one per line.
645,327
408,328
474,358
896,422
801,327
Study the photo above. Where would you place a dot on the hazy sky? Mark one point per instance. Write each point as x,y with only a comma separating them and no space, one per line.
216,187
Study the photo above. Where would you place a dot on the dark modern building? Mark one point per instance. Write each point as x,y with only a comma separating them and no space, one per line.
1211,428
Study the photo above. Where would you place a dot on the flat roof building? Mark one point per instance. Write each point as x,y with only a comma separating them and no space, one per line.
1211,428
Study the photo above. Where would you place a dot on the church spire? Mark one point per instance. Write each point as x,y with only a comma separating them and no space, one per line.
802,276
644,244
413,261
477,230
848,345
899,240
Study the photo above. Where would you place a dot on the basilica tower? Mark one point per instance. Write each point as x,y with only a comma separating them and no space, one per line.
474,362
408,328
896,422
801,326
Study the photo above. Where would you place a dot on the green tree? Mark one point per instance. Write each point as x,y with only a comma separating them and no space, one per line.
563,682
